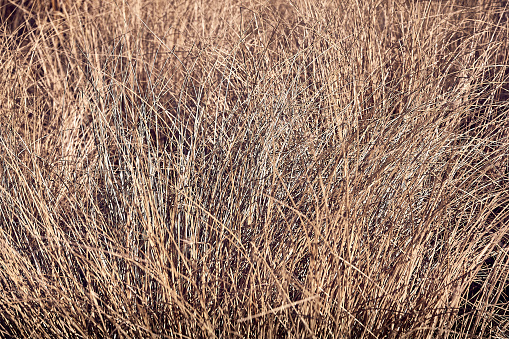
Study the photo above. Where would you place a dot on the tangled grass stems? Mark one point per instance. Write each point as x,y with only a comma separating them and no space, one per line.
276,169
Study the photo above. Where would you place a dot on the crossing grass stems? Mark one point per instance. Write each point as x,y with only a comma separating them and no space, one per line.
254,169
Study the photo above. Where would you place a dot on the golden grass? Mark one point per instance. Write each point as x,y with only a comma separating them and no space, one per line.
254,169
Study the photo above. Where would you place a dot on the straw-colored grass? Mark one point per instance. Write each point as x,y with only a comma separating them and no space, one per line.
254,169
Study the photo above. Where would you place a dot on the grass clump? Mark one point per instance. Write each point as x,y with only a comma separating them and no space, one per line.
254,169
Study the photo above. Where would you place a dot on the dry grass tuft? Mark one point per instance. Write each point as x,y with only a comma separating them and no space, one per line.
254,169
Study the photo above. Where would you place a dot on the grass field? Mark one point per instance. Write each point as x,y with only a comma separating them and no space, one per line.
255,169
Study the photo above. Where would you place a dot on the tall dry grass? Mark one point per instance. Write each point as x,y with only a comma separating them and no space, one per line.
254,169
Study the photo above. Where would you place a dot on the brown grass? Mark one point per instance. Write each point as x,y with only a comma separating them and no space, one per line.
254,169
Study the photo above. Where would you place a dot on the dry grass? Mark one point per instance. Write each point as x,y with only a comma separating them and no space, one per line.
254,169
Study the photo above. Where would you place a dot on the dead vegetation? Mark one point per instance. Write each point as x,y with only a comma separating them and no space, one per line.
254,169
